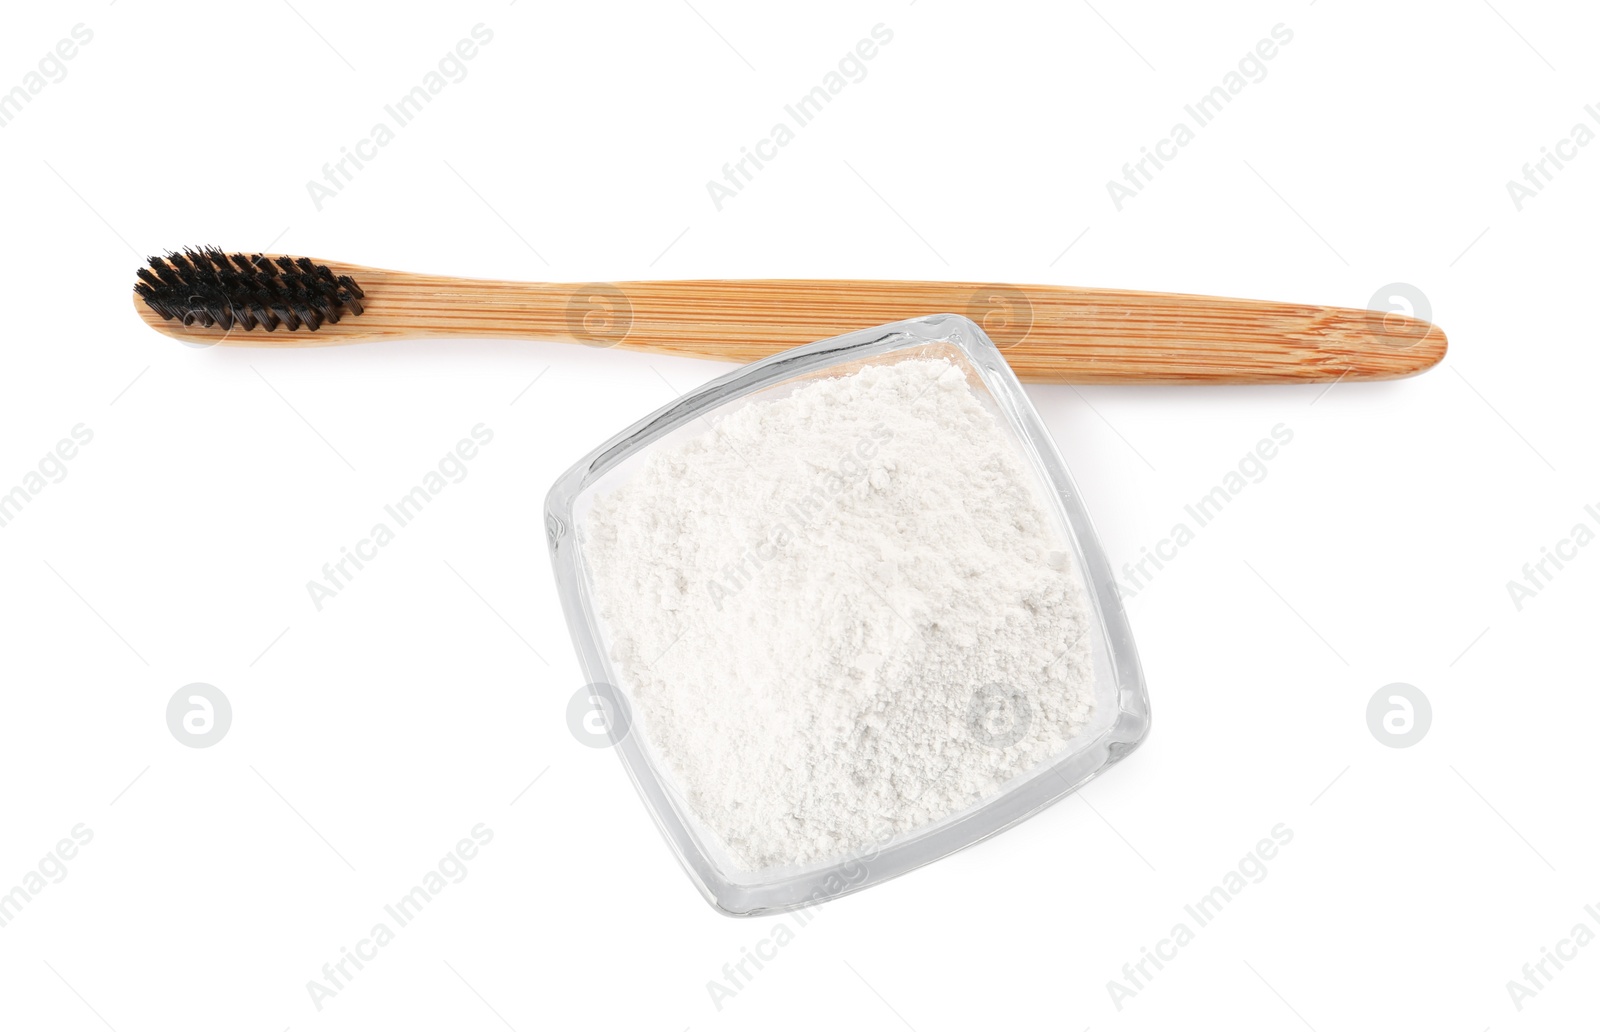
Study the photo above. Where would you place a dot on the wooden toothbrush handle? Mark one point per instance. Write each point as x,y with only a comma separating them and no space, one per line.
1049,334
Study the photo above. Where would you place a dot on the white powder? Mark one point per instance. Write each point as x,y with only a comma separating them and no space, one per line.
842,614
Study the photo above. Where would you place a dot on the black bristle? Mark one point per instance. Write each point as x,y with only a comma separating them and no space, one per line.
207,286
159,268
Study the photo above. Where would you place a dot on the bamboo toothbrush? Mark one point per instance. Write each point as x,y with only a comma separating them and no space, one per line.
1048,334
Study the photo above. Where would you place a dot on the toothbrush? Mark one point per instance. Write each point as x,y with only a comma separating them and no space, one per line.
1049,334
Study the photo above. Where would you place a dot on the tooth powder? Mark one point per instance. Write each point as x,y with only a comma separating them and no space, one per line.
842,614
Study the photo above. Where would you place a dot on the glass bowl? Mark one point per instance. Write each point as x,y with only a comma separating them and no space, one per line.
1121,715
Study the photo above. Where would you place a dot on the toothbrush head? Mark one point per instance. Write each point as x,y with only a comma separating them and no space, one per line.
207,287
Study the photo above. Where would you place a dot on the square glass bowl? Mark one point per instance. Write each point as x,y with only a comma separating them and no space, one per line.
1121,706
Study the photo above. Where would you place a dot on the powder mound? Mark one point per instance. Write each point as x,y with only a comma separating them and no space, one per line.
842,614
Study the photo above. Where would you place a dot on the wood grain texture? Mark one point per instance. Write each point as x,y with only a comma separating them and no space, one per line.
1049,334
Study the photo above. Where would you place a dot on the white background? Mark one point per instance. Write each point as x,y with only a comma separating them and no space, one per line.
369,737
